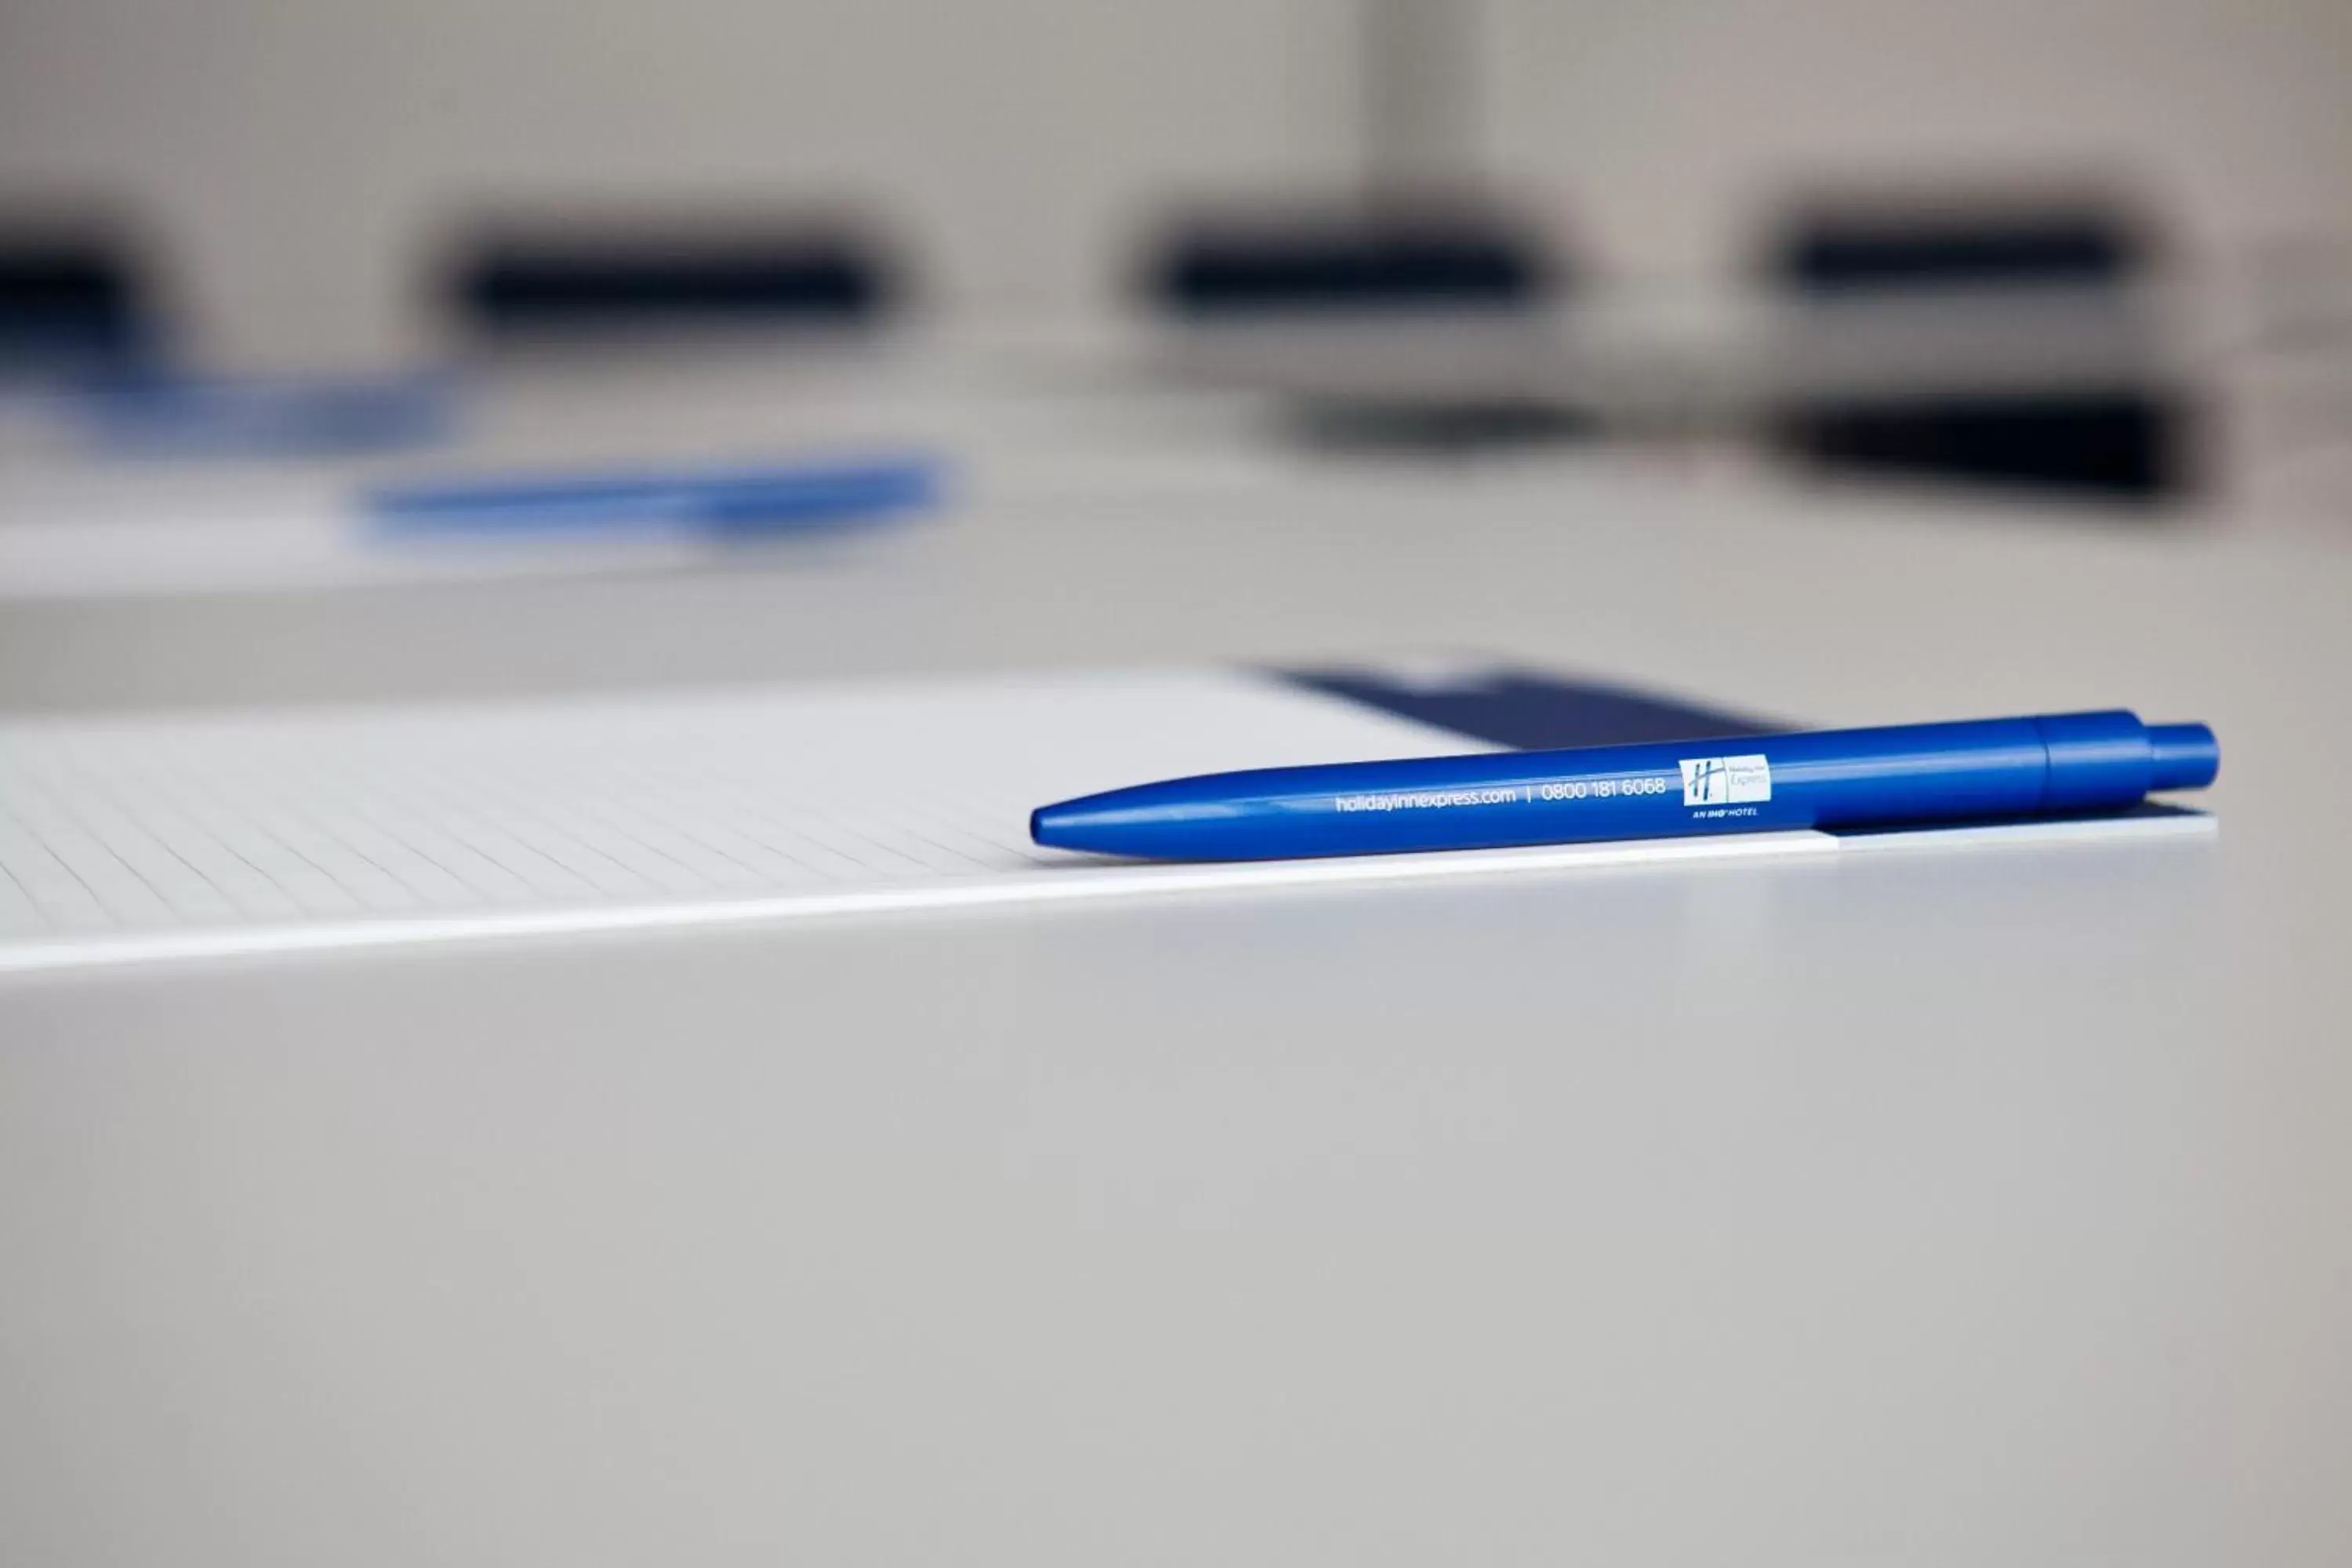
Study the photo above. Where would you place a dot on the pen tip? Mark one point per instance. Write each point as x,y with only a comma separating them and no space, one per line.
1058,827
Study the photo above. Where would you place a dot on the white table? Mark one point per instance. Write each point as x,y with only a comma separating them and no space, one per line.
1935,1210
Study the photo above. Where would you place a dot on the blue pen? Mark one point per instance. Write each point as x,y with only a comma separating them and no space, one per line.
726,502
2050,765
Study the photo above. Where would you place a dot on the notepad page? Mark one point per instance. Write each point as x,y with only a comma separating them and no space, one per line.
187,830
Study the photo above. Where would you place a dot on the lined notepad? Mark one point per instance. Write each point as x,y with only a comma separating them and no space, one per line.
136,838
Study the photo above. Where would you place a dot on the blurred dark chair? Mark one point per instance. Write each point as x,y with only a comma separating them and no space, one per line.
2083,403
1391,324
552,280
77,297
1829,251
1380,258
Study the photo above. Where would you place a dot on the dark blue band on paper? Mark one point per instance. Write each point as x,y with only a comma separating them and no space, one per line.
1529,711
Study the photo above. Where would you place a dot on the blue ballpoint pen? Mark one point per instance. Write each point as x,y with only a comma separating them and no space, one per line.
2048,765
721,501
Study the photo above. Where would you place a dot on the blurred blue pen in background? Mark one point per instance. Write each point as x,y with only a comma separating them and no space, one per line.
746,501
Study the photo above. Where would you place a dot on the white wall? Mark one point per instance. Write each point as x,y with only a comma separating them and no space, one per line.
299,152
1663,129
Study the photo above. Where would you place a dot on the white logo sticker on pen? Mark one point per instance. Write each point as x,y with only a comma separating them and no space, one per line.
1725,781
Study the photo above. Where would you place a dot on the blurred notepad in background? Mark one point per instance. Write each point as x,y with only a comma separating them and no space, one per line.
266,532
158,413
126,839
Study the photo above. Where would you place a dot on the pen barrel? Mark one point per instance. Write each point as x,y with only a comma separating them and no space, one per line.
1853,778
